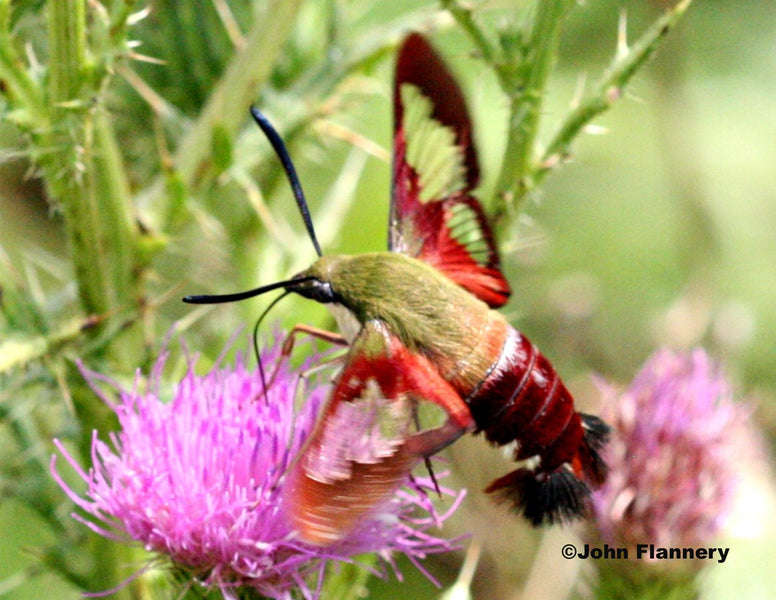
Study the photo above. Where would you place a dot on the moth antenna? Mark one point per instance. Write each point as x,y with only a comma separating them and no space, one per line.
257,349
288,167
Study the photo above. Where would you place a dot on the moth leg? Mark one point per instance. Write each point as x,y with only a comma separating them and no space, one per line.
432,475
427,459
321,334
426,383
429,442
290,340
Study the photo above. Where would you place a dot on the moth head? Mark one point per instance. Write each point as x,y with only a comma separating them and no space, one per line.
316,282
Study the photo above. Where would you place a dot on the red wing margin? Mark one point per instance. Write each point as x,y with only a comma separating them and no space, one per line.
367,443
434,217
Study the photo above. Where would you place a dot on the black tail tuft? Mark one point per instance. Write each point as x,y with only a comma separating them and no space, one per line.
596,435
543,498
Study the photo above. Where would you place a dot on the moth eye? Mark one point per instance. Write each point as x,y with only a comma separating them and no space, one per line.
317,290
324,293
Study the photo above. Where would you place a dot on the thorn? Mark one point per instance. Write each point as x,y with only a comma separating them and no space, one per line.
145,58
622,36
593,129
135,18
579,91
551,161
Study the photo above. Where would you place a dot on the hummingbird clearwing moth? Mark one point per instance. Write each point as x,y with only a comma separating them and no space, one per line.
424,330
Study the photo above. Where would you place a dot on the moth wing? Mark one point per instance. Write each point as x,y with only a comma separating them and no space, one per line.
434,216
367,442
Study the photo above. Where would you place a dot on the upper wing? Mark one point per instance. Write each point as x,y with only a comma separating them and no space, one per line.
365,445
434,217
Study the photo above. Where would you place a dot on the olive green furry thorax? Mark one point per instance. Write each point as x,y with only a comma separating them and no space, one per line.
427,310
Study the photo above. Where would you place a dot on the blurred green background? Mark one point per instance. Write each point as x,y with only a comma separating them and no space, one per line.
658,232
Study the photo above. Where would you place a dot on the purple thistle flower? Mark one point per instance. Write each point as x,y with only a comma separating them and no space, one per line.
674,456
198,479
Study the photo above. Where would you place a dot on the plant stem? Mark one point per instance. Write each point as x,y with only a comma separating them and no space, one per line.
610,88
525,100
85,174
463,15
67,23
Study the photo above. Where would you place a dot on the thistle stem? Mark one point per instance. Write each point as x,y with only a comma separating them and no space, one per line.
526,94
610,88
463,16
85,174
67,39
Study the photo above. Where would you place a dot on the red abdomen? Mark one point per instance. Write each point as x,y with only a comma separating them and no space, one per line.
523,400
